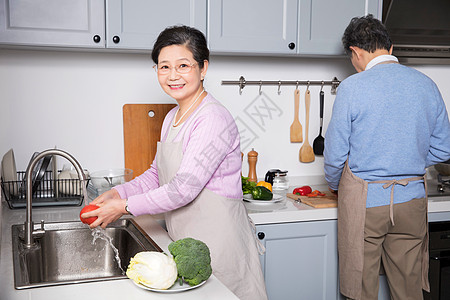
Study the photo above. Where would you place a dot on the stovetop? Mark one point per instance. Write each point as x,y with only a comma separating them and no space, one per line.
439,187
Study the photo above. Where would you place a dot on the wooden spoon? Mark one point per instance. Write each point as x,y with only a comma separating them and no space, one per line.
296,127
306,151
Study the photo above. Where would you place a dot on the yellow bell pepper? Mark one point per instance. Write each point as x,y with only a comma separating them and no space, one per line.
265,184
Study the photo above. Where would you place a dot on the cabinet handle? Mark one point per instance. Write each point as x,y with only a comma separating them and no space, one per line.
96,38
291,46
261,235
116,39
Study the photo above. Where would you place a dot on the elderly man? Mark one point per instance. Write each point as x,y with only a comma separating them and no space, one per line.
389,124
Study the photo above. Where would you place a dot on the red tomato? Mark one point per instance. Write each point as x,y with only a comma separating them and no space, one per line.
85,209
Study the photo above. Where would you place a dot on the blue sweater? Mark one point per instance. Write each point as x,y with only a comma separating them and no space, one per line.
391,123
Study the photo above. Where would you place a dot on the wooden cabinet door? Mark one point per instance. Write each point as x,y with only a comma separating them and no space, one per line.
322,23
252,26
136,24
69,23
300,261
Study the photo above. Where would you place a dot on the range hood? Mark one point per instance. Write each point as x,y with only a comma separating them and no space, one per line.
420,30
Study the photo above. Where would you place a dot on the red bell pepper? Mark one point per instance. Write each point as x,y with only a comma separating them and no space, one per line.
302,191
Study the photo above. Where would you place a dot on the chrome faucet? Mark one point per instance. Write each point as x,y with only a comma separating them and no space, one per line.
29,242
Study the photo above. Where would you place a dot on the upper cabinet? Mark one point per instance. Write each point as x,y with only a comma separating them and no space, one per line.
129,24
252,26
261,27
322,23
307,27
135,24
67,23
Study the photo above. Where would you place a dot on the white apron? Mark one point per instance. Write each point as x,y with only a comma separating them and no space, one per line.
221,223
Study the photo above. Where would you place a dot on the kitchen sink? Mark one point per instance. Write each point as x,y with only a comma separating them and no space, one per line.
64,253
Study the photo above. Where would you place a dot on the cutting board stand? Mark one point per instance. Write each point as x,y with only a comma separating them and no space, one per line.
141,132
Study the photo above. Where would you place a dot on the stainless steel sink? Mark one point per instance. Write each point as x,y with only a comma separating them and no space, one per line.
64,253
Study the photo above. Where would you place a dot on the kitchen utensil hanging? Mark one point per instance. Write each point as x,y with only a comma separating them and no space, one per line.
296,128
306,151
318,144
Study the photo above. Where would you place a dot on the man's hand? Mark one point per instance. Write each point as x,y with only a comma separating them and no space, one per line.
333,192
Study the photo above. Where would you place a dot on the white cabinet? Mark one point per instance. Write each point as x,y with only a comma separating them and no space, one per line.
252,26
261,27
125,24
68,23
300,260
305,27
135,24
322,23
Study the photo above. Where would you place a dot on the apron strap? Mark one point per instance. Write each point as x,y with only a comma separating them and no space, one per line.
392,183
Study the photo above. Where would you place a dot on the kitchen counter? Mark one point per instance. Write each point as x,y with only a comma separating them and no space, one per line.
285,211
114,289
288,210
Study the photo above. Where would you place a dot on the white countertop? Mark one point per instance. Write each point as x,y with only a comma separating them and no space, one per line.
112,290
289,210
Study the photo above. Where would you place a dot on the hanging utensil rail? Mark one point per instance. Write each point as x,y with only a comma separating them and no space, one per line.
242,83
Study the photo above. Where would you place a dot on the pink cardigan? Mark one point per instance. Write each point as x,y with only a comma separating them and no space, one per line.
211,153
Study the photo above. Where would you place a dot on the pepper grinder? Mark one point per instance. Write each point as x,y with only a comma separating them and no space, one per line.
252,159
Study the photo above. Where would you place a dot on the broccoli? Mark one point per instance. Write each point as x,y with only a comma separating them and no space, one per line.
193,260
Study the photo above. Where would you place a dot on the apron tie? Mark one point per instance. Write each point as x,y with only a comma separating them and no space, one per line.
391,204
393,182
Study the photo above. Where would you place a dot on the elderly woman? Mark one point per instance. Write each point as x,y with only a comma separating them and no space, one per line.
195,178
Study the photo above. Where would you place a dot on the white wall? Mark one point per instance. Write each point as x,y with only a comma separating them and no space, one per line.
74,100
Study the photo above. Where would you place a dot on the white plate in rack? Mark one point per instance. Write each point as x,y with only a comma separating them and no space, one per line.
276,198
9,173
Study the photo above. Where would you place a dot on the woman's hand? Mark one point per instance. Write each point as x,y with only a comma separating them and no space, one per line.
112,207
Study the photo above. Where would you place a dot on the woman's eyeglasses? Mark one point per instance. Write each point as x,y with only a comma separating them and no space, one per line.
164,69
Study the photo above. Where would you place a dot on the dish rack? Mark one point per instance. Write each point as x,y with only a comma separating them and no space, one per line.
50,192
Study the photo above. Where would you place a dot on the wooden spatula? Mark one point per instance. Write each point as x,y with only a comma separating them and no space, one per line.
296,127
306,151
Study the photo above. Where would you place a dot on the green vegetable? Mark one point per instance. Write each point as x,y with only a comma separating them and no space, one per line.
193,260
247,186
262,193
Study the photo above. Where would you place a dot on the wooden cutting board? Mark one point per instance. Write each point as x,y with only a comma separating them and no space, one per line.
316,202
141,131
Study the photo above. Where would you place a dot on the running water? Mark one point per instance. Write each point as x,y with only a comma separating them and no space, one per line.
100,233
